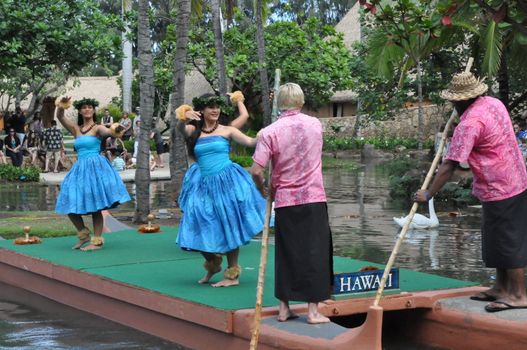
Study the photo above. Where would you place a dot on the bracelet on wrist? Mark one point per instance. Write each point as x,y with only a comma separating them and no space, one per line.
427,195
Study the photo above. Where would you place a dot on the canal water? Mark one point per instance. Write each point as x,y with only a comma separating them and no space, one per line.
361,217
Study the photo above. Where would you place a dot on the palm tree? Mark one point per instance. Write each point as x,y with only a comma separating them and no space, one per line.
218,44
127,59
178,160
146,87
264,79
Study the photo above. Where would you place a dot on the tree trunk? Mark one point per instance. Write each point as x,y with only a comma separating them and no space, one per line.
419,107
264,79
503,80
178,159
127,60
146,88
218,44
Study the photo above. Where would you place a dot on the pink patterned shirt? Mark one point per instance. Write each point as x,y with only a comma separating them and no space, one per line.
293,144
485,139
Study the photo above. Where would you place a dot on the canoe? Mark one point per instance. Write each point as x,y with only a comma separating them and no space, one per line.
148,283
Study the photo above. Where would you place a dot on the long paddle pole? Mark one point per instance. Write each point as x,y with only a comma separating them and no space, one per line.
265,235
410,216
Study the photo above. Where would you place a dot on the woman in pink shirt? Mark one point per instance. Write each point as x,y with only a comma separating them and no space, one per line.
485,139
304,250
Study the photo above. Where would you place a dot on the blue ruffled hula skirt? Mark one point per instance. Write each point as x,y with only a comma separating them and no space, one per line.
92,184
222,209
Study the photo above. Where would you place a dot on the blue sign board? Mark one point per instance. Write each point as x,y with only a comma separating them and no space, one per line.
366,281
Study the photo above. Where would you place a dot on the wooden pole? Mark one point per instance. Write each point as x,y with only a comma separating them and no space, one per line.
265,236
410,216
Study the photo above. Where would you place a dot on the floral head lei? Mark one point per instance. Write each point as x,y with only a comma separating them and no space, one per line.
200,103
85,102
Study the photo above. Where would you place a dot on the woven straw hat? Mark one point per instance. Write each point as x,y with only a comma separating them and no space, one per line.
464,86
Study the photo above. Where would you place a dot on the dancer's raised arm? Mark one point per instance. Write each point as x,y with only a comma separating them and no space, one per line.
61,104
238,99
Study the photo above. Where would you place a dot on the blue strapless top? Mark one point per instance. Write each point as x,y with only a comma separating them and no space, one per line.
87,146
212,154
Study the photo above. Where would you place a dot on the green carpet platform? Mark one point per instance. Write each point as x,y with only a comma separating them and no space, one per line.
146,281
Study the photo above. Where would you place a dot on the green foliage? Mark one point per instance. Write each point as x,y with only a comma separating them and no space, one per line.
311,55
129,145
402,184
35,35
400,166
402,187
27,174
243,160
115,111
459,193
334,143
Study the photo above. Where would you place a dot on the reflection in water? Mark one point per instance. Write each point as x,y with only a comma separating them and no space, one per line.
360,211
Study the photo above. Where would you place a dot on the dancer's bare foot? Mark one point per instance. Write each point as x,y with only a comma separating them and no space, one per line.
80,243
227,283
317,318
91,247
209,275
96,243
286,316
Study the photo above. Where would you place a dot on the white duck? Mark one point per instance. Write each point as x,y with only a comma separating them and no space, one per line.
420,221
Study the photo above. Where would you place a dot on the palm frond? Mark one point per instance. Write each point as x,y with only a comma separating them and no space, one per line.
196,7
491,40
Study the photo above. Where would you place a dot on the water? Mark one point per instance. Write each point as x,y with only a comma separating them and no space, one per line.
360,211
29,322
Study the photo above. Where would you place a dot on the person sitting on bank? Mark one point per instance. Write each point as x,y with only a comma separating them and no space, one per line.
14,148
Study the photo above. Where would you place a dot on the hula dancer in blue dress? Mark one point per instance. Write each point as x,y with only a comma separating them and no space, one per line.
222,209
92,185
193,174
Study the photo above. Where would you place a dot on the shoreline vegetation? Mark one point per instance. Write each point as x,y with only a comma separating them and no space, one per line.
399,162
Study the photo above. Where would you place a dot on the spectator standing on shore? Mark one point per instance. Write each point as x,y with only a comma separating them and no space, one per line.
158,140
137,123
107,119
18,122
127,125
53,141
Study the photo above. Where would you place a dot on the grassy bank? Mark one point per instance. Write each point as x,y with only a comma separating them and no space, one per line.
43,224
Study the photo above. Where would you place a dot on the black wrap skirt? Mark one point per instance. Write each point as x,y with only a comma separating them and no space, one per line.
304,253
504,232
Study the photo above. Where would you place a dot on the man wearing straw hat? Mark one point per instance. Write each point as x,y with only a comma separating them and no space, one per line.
485,139
303,247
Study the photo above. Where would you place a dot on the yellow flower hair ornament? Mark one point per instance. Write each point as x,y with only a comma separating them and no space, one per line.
117,130
63,102
237,96
181,111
